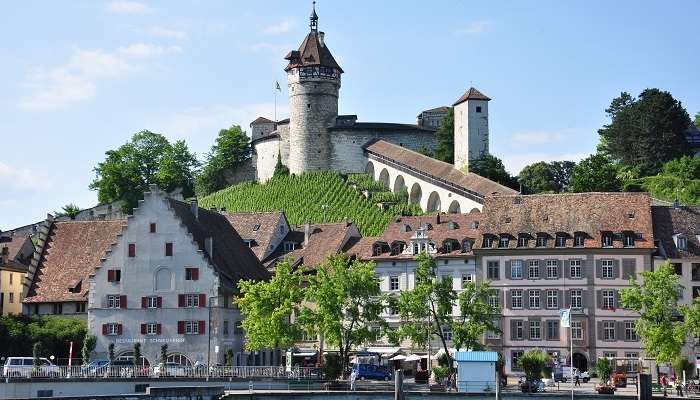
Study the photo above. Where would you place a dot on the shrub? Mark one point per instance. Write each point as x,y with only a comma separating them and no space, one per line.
533,362
603,369
440,372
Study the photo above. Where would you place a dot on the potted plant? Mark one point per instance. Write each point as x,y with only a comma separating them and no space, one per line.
532,363
604,370
440,373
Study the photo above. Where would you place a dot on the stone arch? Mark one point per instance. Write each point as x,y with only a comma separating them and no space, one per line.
384,178
455,208
433,202
399,184
163,279
369,169
129,355
179,359
474,210
580,362
416,194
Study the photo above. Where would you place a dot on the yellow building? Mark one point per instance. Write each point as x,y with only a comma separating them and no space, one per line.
15,254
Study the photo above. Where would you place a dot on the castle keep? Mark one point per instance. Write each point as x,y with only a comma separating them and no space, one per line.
315,137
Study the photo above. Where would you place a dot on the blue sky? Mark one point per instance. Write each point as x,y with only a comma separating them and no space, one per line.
80,77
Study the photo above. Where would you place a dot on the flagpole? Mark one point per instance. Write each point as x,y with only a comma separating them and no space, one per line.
275,107
571,354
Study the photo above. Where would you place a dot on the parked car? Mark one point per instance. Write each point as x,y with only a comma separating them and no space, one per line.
170,369
371,371
94,368
563,374
24,367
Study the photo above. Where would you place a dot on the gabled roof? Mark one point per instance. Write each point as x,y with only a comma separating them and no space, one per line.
261,120
436,109
312,53
231,256
324,240
471,94
70,254
669,222
438,169
569,213
260,227
14,243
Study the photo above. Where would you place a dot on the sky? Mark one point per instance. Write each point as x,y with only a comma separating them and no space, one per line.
81,77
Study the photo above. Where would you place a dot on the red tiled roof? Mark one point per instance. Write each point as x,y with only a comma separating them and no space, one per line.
267,224
72,251
670,221
589,213
324,240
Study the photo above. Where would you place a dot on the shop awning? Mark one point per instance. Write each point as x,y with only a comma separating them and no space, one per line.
386,352
399,357
413,357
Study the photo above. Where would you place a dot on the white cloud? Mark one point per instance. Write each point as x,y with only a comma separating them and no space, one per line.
167,33
77,79
280,28
23,178
475,28
128,7
514,163
528,138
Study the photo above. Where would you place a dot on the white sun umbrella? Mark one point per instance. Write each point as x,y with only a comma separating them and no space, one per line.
413,357
399,357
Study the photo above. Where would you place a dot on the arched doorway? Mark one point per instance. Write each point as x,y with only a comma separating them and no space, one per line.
384,178
580,362
433,202
416,194
454,207
129,355
399,184
369,169
179,359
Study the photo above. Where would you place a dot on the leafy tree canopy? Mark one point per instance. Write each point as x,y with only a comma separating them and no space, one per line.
532,362
491,167
696,121
647,131
446,139
148,158
18,334
280,169
231,150
595,174
69,210
656,301
537,178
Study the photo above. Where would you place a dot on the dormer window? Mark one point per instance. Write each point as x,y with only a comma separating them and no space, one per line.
416,248
377,251
289,246
397,248
579,239
541,240
488,241
607,239
629,239
560,241
504,241
452,225
522,241
681,242
448,246
256,227
466,245
474,225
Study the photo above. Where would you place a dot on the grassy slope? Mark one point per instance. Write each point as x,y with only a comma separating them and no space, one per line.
301,198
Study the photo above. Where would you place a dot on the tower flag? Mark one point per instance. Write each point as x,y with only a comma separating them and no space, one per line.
277,86
565,316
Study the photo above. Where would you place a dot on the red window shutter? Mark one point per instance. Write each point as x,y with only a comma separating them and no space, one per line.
119,329
143,329
122,301
104,329
159,302
168,249
201,327
158,329
180,300
195,274
110,275
181,327
202,300
132,250
144,302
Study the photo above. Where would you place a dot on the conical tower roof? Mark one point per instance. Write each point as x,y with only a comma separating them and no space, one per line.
471,94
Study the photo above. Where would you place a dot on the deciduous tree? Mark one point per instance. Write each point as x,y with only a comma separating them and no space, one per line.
595,174
69,210
491,167
445,139
538,178
231,150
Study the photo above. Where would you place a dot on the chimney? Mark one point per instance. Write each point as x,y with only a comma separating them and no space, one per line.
209,246
194,208
307,233
321,37
437,219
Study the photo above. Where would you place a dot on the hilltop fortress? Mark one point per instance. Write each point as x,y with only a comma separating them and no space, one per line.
316,138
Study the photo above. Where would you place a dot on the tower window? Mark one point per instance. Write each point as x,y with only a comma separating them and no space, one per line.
478,109
308,105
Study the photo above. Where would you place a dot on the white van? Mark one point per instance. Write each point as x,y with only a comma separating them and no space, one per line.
23,367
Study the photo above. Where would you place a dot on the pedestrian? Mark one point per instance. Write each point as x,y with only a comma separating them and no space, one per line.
664,383
679,388
353,377
577,380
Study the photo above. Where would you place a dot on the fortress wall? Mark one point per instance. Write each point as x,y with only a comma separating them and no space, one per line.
265,157
346,146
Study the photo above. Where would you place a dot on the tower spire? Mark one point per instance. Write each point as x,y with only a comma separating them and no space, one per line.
313,20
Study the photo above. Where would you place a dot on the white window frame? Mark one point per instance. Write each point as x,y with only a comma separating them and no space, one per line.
488,242
576,299
533,269
577,330
113,301
533,299
607,269
629,240
191,327
541,241
682,242
493,266
289,246
633,364
151,328
516,296
552,298
522,241
447,332
609,354
152,302
467,278
552,269
519,326
394,283
112,329
608,296
575,266
493,300
503,242
192,300
560,241
609,330
630,332
516,265
579,240
607,240
535,327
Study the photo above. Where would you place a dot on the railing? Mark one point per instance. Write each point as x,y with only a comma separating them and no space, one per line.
158,371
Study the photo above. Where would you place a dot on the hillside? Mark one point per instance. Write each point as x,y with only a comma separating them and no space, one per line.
302,197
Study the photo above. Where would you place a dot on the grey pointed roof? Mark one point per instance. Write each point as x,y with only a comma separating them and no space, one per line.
471,94
311,53
261,120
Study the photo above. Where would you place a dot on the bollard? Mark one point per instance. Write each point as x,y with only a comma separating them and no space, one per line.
398,384
644,385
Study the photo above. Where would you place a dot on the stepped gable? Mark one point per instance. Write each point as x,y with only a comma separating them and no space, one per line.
457,227
260,227
231,256
437,169
324,240
70,254
588,213
471,94
669,221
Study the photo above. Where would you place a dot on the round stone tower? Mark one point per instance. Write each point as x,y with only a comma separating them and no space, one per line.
313,77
